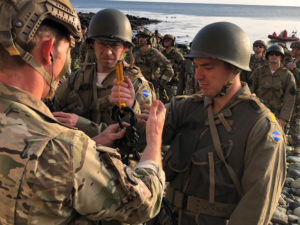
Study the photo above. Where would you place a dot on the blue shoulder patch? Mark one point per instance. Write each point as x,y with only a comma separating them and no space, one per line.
276,136
146,93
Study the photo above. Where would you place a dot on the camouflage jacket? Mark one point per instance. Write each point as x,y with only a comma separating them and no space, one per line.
154,65
277,90
177,61
201,188
82,95
51,174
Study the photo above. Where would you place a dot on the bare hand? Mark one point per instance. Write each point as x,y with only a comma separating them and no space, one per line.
109,135
70,119
155,122
127,93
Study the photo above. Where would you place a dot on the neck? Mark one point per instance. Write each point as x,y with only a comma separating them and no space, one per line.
274,66
20,78
258,55
169,49
221,101
145,48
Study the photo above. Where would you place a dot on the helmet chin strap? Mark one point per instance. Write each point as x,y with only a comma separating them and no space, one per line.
226,87
28,58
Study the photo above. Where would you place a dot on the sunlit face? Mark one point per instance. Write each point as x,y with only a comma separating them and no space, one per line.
211,75
60,55
258,49
167,42
274,57
107,54
142,40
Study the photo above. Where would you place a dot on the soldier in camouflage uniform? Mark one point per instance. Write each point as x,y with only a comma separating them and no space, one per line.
257,59
226,163
84,98
294,66
51,174
275,85
177,61
158,43
154,65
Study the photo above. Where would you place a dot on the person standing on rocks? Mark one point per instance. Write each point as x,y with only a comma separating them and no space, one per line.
226,162
275,85
154,65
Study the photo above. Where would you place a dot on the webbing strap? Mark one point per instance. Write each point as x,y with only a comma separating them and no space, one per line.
219,151
211,177
192,205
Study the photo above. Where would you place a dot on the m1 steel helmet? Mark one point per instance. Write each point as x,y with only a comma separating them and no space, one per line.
224,41
110,25
260,43
275,48
171,37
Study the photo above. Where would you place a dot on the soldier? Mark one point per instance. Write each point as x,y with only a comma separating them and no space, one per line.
177,61
275,85
226,162
84,98
158,41
153,64
294,66
52,174
257,59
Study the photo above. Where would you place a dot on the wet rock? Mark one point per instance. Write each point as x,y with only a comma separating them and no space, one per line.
135,21
295,159
279,216
296,183
293,218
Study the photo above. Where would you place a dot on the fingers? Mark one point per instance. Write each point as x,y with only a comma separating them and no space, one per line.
128,82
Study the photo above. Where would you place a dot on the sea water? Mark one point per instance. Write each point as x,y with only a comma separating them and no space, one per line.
184,20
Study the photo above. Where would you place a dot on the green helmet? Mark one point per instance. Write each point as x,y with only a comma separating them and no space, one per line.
169,36
295,44
144,32
110,25
225,41
20,19
260,42
275,48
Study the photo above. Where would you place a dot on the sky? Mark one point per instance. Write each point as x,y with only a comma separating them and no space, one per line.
240,2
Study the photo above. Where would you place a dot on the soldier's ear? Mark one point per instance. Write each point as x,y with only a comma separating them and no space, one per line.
46,48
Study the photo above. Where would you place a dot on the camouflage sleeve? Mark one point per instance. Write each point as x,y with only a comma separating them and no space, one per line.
264,174
89,127
166,70
104,188
289,98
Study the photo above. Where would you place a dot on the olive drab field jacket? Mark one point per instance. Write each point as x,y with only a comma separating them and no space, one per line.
277,90
82,95
228,166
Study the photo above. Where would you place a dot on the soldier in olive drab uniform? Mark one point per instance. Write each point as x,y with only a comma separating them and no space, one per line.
177,61
257,59
226,162
154,65
50,173
84,98
294,66
275,85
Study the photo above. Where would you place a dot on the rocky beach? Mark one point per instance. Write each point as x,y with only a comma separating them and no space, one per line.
136,22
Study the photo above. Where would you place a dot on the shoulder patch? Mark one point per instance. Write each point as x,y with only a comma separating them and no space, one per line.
276,136
145,93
